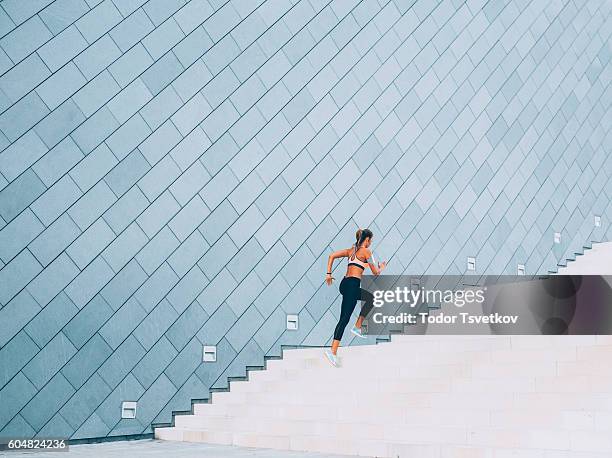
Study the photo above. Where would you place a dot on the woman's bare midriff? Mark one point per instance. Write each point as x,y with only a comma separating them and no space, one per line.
354,271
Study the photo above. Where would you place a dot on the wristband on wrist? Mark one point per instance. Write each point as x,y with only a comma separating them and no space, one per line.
328,273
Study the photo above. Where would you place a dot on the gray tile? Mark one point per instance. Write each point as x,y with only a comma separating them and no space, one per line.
18,195
93,427
125,247
92,205
93,131
189,218
188,253
18,14
58,15
162,72
155,398
15,355
24,39
87,321
244,293
160,142
49,361
187,289
158,214
95,94
220,87
122,323
130,65
189,183
186,325
17,427
244,328
61,158
90,243
86,361
16,275
218,187
93,167
127,137
157,250
22,116
190,49
16,394
89,282
155,324
193,79
127,102
99,21
21,154
56,427
189,358
126,209
62,48
156,287
123,285
18,234
159,177
16,314
132,29
161,107
85,400
55,239
217,256
247,257
159,11
51,319
163,38
154,362
65,82
219,221
191,114
217,156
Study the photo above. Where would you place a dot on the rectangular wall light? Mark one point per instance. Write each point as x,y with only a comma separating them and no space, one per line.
128,409
292,322
209,353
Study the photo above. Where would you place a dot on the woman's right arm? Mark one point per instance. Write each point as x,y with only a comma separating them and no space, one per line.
330,263
378,267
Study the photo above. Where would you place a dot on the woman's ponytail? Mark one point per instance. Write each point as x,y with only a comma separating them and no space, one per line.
357,243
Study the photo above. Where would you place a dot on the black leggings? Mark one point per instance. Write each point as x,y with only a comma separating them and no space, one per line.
350,288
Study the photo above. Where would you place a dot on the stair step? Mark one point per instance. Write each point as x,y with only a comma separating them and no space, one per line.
416,441
505,354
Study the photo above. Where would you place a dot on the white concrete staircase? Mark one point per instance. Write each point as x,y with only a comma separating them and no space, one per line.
595,261
424,397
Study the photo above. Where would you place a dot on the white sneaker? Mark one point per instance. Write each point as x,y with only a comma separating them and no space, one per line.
357,331
333,359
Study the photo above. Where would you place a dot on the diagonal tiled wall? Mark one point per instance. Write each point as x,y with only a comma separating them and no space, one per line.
174,173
